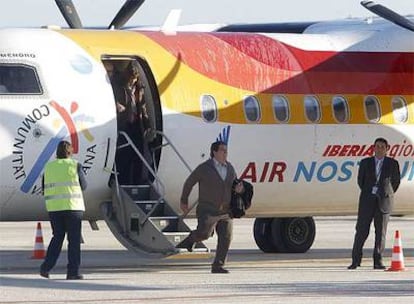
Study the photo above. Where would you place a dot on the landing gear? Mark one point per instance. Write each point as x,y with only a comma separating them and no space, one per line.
262,234
290,235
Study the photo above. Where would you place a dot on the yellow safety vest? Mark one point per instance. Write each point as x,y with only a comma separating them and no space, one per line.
62,190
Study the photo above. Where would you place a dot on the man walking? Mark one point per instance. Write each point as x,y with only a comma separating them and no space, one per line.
378,179
63,183
215,179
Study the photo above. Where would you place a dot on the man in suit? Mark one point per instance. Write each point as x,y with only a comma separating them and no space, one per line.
378,179
215,180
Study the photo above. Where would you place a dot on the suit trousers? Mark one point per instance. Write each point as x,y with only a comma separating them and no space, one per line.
65,222
369,210
223,225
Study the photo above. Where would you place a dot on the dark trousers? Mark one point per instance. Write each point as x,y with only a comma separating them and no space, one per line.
65,222
129,164
369,210
223,225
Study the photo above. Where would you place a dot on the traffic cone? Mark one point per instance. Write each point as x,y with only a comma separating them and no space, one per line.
397,261
39,248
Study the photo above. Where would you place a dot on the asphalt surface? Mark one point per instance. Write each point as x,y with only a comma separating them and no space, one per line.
115,275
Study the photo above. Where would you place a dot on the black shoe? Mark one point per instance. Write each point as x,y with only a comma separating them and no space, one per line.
44,274
186,245
218,269
190,247
353,266
379,266
74,277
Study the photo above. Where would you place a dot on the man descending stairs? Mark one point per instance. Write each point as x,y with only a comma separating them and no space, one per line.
145,223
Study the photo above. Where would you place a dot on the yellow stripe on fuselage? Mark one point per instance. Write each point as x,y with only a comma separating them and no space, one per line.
180,87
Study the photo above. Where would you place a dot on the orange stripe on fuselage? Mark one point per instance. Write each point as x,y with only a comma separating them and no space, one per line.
258,63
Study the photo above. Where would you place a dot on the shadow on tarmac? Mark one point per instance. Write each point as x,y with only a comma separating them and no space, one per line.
70,285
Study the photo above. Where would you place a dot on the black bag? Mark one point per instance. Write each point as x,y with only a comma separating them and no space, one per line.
241,202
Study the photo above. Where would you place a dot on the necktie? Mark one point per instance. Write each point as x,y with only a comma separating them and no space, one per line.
378,168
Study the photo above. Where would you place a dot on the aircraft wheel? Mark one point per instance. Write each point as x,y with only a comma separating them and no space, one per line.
263,234
298,233
277,229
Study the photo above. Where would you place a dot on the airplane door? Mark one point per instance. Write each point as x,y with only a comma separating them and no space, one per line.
138,116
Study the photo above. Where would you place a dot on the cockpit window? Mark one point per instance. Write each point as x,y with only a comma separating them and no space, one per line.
18,79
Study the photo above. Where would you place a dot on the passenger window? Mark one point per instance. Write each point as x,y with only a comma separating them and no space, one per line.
281,108
19,79
208,108
399,109
372,109
340,109
312,108
251,109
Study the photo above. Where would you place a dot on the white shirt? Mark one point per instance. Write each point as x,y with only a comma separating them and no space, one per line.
221,169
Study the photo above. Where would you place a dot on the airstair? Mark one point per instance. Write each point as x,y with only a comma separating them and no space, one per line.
140,217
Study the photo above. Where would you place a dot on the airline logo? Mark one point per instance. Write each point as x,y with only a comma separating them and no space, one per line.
224,135
336,164
69,123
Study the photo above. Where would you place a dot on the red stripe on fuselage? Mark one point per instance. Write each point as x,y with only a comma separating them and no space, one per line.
260,64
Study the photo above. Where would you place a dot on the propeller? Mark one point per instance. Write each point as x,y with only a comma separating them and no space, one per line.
125,13
69,12
388,14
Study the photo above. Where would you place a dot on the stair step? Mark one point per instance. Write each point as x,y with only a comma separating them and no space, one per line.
176,237
166,223
137,192
145,223
147,206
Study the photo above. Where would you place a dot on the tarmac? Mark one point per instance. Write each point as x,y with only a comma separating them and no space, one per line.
115,275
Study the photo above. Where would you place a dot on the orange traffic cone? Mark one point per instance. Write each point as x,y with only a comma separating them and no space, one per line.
39,249
397,261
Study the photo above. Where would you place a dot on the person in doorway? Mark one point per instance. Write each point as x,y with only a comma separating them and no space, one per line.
63,182
215,180
378,179
132,119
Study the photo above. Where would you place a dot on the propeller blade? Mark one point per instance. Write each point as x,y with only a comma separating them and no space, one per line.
69,12
388,14
125,13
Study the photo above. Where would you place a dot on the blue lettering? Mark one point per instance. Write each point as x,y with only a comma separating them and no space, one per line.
405,169
330,170
307,174
346,171
328,164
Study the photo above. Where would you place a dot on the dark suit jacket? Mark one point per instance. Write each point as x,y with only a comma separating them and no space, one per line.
387,185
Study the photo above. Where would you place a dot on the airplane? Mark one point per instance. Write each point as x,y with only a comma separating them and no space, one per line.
299,105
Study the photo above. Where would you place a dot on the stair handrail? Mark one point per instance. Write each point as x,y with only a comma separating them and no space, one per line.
169,142
174,148
144,161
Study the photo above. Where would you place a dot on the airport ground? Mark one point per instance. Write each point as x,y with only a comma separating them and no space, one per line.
115,275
